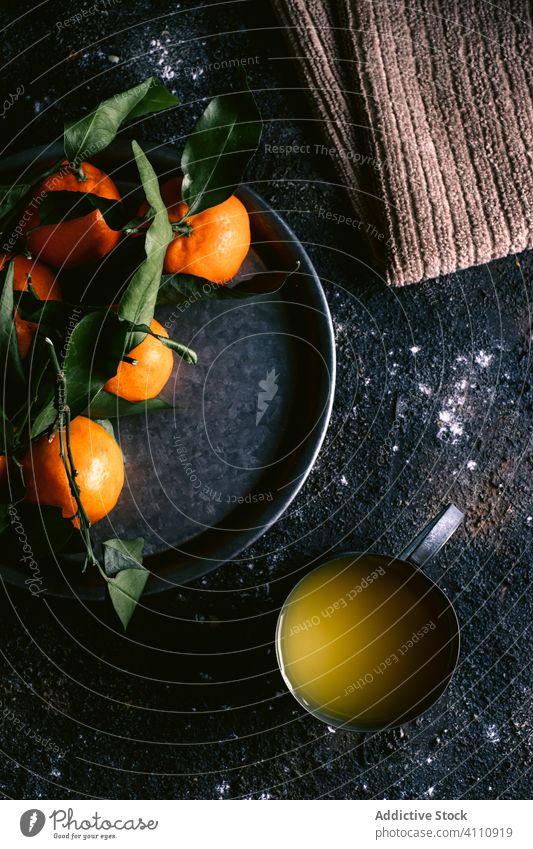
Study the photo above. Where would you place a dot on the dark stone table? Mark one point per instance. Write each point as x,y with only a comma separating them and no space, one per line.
433,404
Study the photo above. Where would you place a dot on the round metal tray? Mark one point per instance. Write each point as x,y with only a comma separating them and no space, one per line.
205,480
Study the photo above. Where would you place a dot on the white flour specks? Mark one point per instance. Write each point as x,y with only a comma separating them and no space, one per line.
492,733
160,52
450,424
222,789
483,359
450,427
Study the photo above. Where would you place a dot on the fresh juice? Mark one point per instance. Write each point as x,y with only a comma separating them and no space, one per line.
367,642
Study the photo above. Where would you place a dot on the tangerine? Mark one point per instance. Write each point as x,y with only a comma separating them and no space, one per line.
80,240
43,282
218,239
147,378
99,464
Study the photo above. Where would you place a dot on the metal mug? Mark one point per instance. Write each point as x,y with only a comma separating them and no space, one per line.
367,641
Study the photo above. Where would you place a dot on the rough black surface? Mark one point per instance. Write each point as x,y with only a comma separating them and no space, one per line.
433,404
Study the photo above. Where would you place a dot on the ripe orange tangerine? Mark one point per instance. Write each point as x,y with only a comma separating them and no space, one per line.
44,283
80,240
98,460
147,378
218,240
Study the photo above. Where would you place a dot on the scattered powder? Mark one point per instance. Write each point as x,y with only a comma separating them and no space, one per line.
492,733
161,52
222,789
424,389
483,359
450,425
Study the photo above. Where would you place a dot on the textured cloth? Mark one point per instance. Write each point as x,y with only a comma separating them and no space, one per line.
428,105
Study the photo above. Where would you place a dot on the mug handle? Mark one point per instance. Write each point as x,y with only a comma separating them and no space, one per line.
435,534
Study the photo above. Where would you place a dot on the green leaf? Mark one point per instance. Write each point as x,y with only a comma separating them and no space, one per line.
137,304
122,554
10,360
45,530
127,575
11,195
93,351
107,405
7,435
107,426
17,199
91,134
187,289
57,207
125,591
185,353
51,313
216,153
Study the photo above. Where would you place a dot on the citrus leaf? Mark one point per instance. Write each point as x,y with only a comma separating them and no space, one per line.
91,134
7,436
45,530
93,351
18,196
125,589
186,288
52,313
57,207
137,304
11,195
10,360
107,426
122,554
215,155
185,353
105,404
127,575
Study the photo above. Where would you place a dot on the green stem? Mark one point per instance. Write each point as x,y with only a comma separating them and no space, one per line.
182,227
65,450
79,173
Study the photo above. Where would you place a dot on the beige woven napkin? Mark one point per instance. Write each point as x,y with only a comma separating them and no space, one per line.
428,104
